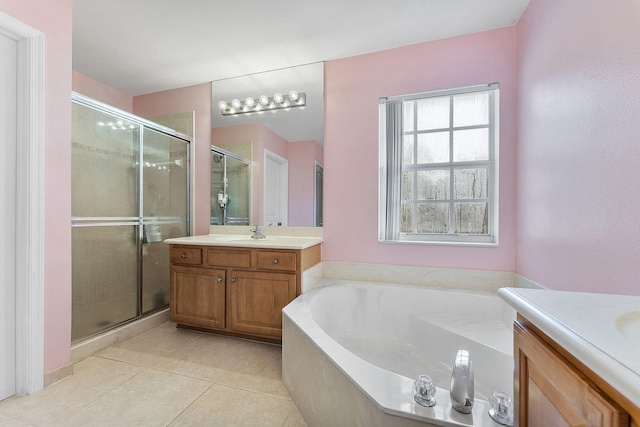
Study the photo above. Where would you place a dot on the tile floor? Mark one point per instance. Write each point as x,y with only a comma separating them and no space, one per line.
165,377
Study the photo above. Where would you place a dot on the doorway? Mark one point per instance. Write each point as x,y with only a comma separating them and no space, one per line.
276,189
8,106
22,208
317,193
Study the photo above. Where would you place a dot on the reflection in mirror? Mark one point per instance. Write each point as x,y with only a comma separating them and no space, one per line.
291,193
230,188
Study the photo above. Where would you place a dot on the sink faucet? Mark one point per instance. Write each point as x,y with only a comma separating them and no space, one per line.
462,383
256,233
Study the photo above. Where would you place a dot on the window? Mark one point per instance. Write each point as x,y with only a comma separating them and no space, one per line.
439,169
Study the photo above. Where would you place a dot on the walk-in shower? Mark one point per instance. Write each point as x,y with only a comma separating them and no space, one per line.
230,188
129,193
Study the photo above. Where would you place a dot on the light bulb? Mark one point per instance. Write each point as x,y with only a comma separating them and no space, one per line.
236,103
293,95
278,98
285,104
223,105
264,100
250,101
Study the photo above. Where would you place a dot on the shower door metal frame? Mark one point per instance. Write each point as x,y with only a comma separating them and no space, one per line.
138,221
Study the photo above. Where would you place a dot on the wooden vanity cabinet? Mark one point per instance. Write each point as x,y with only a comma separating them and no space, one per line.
198,297
237,291
552,391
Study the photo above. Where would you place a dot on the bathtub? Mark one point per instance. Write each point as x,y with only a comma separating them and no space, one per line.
351,351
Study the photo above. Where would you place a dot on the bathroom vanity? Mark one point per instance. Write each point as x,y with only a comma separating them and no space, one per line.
577,358
236,285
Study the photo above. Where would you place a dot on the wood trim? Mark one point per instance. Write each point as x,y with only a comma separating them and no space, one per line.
29,205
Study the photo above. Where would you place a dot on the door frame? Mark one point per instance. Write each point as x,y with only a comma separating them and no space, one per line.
29,302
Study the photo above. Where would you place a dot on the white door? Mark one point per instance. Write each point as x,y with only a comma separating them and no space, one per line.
276,189
8,85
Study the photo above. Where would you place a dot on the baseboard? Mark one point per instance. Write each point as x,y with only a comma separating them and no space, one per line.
58,374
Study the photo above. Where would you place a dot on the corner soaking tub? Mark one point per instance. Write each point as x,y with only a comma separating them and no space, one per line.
351,351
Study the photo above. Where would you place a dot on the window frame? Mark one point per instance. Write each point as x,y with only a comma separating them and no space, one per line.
391,124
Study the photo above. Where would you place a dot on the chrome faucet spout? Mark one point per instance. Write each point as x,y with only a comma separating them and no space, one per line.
462,383
257,234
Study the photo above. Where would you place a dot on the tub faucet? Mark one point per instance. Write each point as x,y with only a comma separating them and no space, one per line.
462,383
256,233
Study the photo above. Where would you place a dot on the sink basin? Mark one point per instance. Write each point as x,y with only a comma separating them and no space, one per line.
629,326
239,237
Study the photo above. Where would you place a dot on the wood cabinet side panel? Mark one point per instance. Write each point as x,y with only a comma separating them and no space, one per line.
577,400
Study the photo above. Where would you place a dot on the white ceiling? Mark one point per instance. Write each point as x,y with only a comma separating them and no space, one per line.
144,46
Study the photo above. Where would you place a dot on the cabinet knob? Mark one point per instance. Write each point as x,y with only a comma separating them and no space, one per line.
233,280
219,279
183,256
274,261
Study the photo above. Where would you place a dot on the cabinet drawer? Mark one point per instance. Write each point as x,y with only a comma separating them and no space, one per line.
272,260
186,255
239,258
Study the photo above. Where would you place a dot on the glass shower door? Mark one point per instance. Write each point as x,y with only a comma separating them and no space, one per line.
165,201
230,188
129,193
105,220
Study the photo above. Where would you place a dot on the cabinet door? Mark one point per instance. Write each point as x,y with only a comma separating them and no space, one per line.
198,297
257,300
551,392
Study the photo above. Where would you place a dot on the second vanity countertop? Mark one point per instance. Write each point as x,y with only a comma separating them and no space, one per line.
245,241
601,330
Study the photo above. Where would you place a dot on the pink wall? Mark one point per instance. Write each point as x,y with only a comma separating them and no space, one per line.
352,89
53,18
193,98
101,92
302,158
578,147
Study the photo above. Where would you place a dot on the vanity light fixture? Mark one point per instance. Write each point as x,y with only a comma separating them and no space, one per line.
256,105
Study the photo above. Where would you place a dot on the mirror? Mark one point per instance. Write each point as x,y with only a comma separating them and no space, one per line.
284,148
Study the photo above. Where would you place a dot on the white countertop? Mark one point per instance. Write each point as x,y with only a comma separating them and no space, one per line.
245,241
601,330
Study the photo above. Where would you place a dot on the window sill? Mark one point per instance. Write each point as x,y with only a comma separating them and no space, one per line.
440,243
